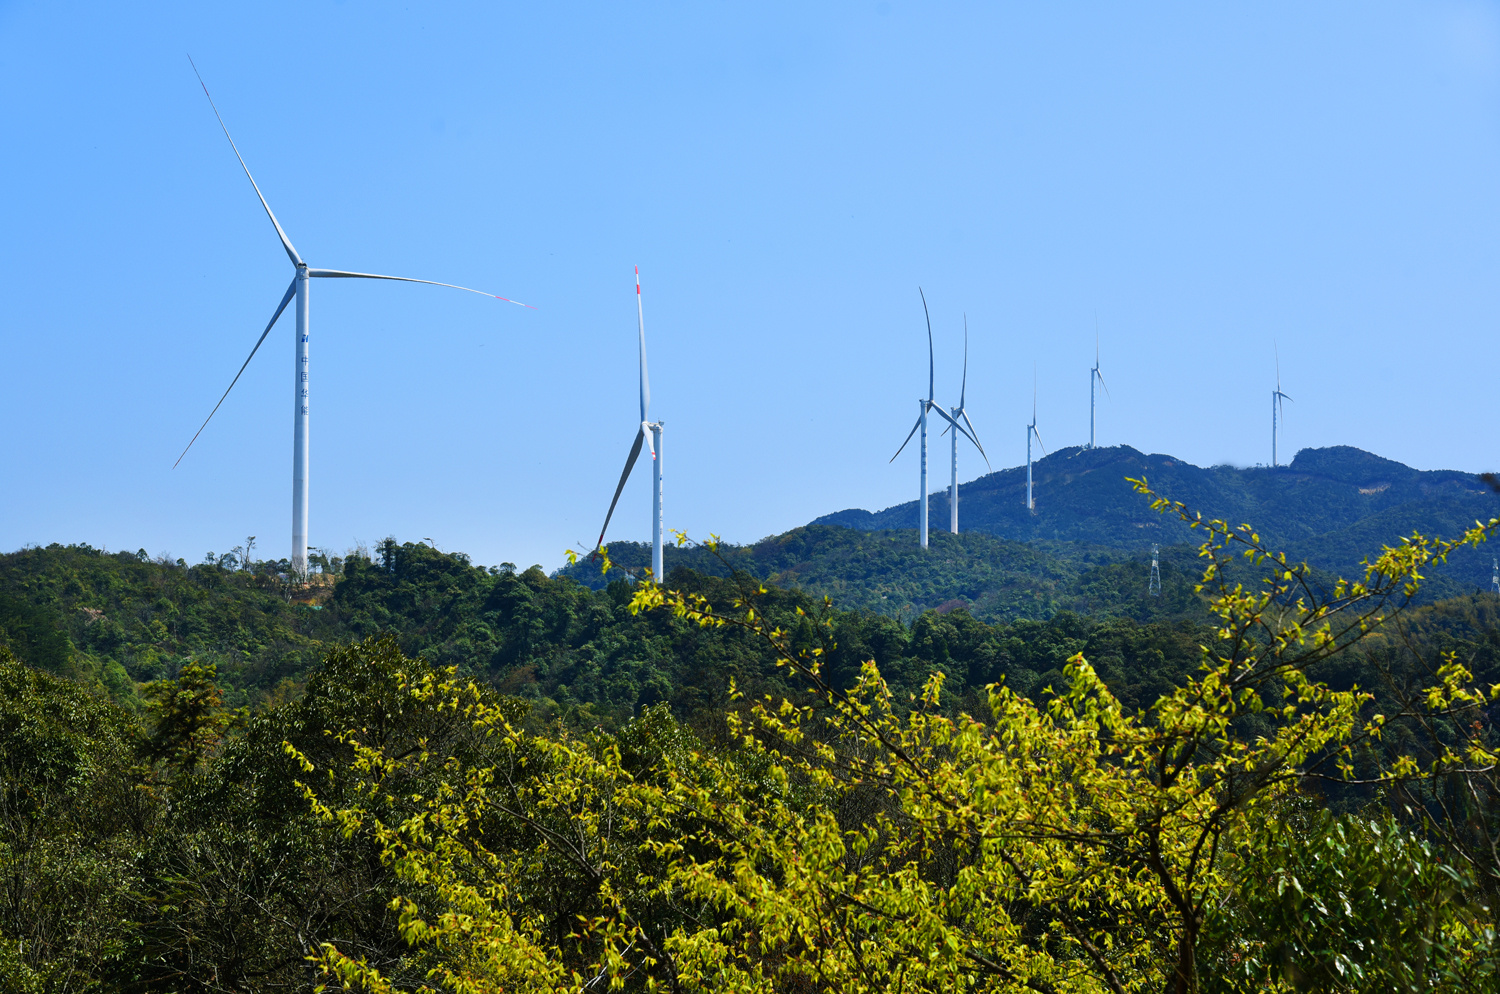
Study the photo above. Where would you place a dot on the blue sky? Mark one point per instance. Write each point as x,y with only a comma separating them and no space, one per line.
1205,182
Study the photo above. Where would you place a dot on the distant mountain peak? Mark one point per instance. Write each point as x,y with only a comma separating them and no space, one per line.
1345,462
1329,503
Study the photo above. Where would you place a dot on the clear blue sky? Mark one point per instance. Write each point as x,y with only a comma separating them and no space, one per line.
1206,179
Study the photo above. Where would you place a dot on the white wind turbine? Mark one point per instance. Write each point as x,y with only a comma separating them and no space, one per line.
648,434
1030,431
925,406
1093,375
1276,407
299,288
960,412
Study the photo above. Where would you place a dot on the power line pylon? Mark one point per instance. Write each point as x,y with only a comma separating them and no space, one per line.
1153,589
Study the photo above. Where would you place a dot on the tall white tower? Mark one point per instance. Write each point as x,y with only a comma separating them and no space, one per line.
657,569
922,502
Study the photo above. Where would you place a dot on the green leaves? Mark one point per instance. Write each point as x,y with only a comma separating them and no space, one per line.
1327,903
187,717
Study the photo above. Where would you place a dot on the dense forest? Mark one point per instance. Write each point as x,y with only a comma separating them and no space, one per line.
121,620
412,772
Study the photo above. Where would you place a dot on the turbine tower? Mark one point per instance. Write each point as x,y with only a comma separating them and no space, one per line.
1276,407
1153,586
1094,374
957,413
923,407
1030,431
648,434
299,288
1495,577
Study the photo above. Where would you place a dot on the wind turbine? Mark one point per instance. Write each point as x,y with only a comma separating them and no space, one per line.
299,288
648,434
923,407
1030,431
959,412
1276,407
1093,375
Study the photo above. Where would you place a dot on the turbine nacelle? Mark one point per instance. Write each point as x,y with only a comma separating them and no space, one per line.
929,407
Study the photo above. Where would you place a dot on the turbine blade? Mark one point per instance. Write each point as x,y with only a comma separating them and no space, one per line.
963,390
951,423
929,345
650,445
1102,383
339,274
291,292
635,451
974,435
286,242
640,315
908,438
1039,439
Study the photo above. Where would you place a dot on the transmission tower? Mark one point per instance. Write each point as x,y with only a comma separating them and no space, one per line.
1495,578
1153,589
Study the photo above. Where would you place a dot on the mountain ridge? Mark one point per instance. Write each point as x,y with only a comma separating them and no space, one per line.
1083,494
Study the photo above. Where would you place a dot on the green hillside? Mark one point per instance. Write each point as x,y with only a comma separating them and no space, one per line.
994,579
120,620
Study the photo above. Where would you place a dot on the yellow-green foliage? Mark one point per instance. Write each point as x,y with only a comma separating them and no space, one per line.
862,842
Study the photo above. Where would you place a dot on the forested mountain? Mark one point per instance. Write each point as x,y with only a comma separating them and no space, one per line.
886,572
121,620
1331,506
